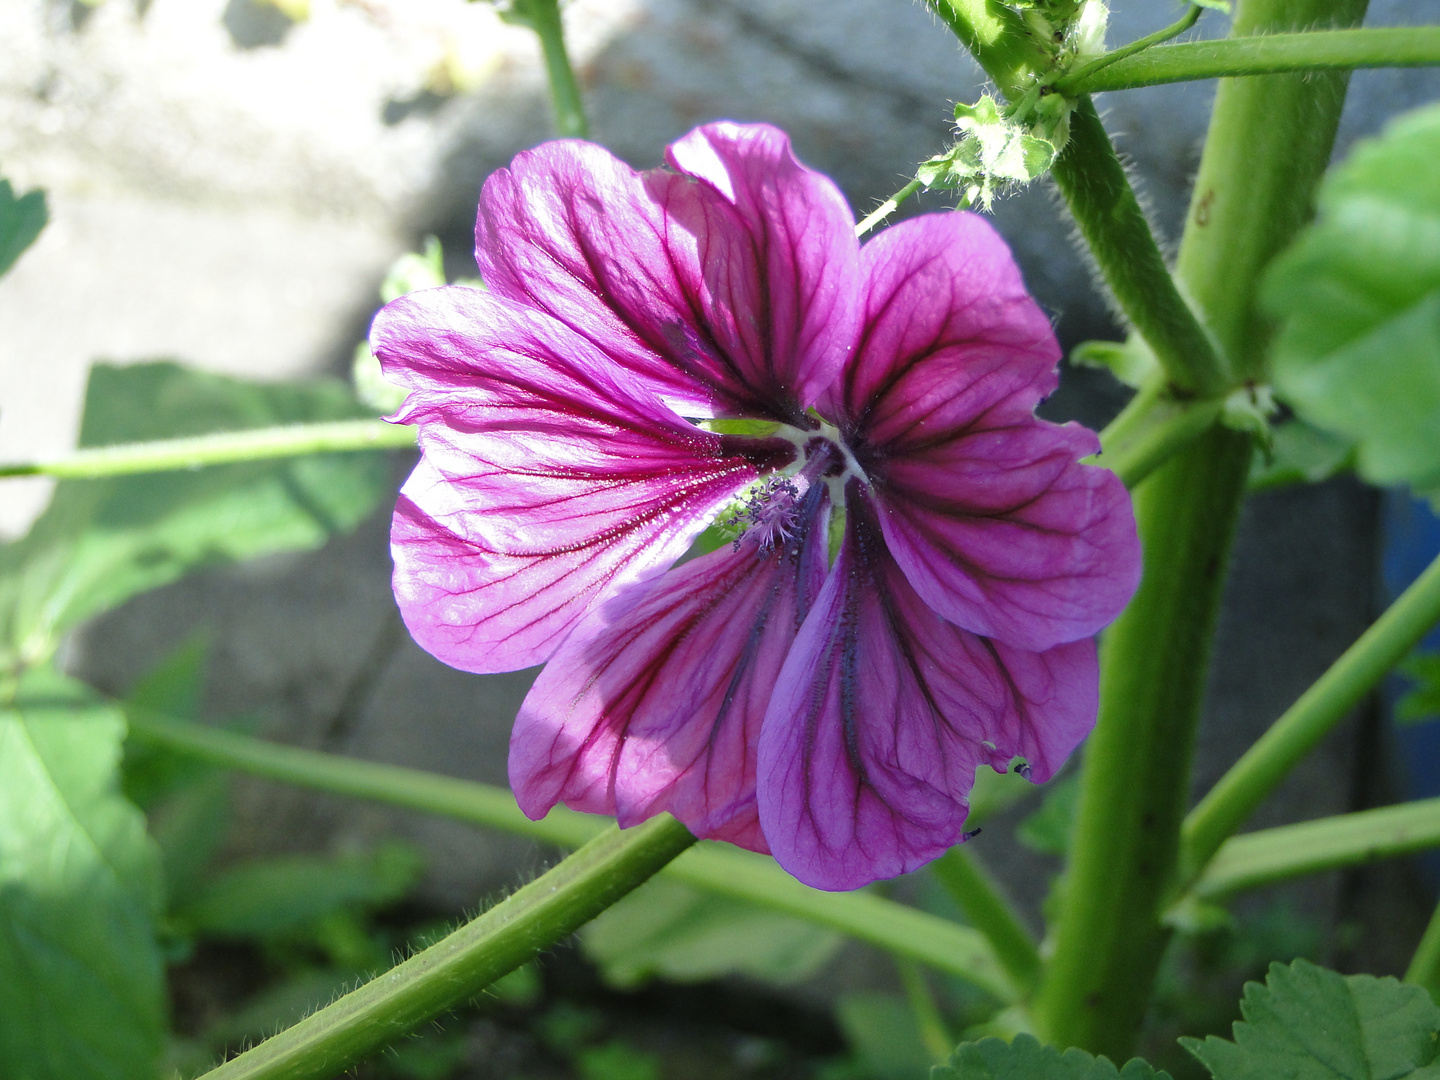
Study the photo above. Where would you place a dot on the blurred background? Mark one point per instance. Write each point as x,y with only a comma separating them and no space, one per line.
229,181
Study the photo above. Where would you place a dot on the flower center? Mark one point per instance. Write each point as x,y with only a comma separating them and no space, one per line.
769,515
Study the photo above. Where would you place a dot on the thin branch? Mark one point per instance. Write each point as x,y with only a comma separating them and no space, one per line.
1273,54
1271,855
221,448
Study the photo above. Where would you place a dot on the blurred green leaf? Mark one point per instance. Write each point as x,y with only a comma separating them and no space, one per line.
617,1060
269,897
100,542
1422,701
1307,1023
883,1036
415,270
81,984
1300,453
20,222
1049,828
1130,361
1026,1059
668,930
1358,296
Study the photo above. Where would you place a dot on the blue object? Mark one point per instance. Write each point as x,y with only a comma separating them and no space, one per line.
1410,535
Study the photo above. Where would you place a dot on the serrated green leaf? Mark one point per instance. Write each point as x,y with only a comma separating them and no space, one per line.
102,541
1049,828
1027,1059
268,897
1308,1023
1358,295
1422,701
669,930
81,984
20,222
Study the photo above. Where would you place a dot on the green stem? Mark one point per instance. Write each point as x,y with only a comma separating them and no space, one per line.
989,911
888,207
1076,82
1409,46
1241,790
221,448
1093,181
933,1032
904,931
453,970
543,17
1269,142
1271,855
1150,429
1424,969
999,40
1109,934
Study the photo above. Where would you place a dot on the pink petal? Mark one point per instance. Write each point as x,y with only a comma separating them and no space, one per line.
985,507
882,713
549,479
655,703
733,300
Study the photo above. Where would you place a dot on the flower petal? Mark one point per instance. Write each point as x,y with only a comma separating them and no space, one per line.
655,702
549,479
984,506
734,301
882,713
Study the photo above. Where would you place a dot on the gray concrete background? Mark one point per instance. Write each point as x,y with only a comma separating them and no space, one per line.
227,190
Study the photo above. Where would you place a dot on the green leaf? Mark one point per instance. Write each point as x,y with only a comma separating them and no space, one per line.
1027,1059
415,270
269,897
1422,701
1300,453
1048,829
669,930
100,542
883,1035
1358,296
1307,1023
20,222
81,984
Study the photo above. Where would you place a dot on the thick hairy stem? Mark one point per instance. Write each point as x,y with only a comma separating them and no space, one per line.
1269,141
1109,936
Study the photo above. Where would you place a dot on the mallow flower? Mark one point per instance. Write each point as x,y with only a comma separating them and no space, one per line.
708,341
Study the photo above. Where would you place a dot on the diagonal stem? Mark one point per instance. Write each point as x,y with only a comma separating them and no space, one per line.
979,896
458,967
1240,791
904,931
1424,969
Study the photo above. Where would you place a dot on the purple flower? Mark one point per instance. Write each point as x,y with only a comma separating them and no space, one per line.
572,425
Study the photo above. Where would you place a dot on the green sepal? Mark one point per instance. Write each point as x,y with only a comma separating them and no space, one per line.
1130,361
